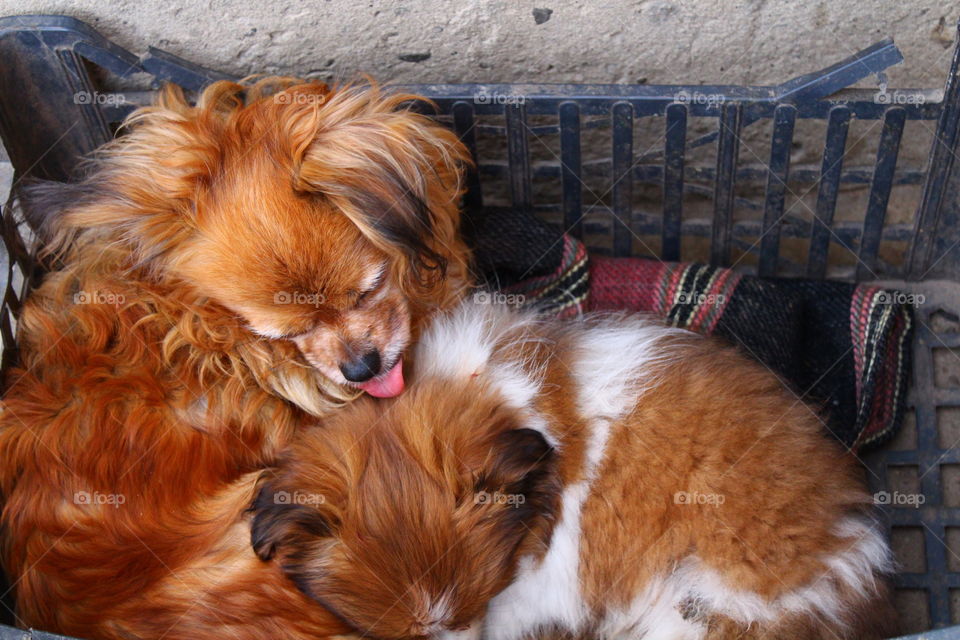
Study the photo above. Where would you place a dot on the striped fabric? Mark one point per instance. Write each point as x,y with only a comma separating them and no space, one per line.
881,330
562,292
841,347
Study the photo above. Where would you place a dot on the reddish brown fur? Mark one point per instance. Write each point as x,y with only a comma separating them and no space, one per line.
160,391
357,464
785,486
399,529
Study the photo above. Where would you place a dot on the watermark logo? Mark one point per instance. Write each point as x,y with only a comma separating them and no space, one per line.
900,297
689,297
95,97
298,497
298,97
894,97
898,499
698,97
695,497
298,297
508,499
498,98
98,297
86,498
498,297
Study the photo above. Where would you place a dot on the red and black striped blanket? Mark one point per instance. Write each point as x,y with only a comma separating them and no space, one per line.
840,346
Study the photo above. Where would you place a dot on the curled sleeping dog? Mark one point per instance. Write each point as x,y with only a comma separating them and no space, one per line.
607,476
226,273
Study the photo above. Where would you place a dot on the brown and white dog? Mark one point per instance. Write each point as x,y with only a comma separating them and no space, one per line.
226,273
608,477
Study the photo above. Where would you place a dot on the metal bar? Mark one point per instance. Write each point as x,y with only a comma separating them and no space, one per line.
518,157
825,82
946,145
66,32
464,124
49,118
923,385
862,103
622,114
653,174
830,176
880,187
778,172
807,87
570,171
675,141
920,104
724,188
170,68
650,222
934,534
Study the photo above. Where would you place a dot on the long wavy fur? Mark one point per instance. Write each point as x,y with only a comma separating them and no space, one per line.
158,392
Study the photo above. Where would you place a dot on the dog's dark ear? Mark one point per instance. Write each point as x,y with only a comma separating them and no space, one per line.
405,221
394,172
521,472
43,202
516,453
278,522
389,204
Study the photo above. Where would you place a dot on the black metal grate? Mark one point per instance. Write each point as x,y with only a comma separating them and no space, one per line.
923,464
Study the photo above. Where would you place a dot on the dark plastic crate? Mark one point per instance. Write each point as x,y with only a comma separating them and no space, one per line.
542,148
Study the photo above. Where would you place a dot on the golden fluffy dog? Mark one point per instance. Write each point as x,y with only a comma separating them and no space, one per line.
610,478
225,273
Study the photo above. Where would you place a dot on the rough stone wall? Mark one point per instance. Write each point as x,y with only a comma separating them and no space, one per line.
656,41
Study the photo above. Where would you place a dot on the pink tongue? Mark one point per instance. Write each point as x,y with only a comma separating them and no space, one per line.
387,385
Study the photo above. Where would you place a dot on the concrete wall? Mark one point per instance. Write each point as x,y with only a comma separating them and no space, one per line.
656,41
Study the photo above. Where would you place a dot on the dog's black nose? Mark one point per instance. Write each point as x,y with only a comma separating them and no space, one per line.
363,368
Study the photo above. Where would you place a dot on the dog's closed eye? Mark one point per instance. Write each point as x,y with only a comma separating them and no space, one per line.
372,287
363,295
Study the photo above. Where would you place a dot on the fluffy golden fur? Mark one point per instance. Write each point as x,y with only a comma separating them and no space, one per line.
210,276
609,478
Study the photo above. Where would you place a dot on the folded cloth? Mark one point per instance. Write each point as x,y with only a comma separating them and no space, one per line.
842,347
528,261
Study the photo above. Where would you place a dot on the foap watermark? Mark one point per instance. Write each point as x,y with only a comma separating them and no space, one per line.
298,97
900,297
894,97
484,97
98,297
509,499
498,297
689,297
299,297
698,97
97,498
95,97
298,497
898,499
695,497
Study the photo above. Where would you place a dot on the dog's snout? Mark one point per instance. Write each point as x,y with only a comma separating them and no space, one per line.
362,368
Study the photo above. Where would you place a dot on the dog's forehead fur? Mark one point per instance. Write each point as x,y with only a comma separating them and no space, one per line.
428,431
297,170
407,486
258,243
278,200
